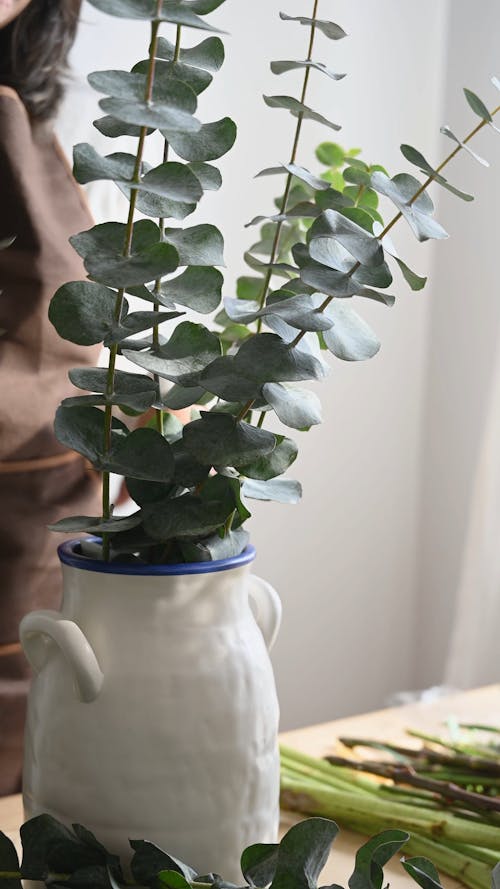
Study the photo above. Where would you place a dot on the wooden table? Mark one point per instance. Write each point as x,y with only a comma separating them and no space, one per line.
480,705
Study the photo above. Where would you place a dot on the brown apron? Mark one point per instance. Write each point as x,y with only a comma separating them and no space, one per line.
40,481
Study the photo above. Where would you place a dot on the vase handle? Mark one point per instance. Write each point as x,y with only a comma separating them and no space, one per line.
41,629
267,608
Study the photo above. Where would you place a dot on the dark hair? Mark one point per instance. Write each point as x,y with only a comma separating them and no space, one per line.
34,50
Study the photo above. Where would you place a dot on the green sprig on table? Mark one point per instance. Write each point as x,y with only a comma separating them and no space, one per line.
62,857
441,793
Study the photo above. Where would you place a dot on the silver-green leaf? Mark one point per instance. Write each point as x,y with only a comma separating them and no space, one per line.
101,248
350,338
329,29
297,408
218,439
401,190
416,157
299,173
477,105
210,142
282,67
451,135
201,245
207,55
190,349
282,490
298,109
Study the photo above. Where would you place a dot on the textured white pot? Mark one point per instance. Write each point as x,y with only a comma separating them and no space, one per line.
153,712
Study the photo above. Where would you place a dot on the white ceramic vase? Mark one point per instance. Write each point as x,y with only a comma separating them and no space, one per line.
153,711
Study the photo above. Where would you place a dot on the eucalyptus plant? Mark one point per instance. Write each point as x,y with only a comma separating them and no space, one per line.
59,857
326,245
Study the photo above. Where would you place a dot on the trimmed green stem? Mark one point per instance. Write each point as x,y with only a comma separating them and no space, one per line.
286,194
129,231
299,796
161,226
293,157
405,774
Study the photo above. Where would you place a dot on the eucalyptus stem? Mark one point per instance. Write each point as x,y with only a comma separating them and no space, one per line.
430,756
284,202
405,774
129,230
161,226
398,215
286,194
349,807
461,749
156,308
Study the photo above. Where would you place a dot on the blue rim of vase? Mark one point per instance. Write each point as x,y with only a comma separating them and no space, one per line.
68,556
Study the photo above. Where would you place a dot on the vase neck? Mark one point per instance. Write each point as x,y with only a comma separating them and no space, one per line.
191,599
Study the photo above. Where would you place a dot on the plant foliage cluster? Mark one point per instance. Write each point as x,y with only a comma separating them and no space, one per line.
325,245
59,857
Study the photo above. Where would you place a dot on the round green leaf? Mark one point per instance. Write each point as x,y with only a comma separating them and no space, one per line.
174,115
197,79
207,55
350,338
185,517
210,142
273,464
136,391
112,128
334,227
282,490
330,154
82,429
266,359
83,312
304,851
220,440
172,11
198,288
143,454
189,350
102,251
401,190
297,408
201,245
215,548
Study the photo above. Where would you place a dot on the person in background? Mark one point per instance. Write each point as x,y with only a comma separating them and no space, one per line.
41,206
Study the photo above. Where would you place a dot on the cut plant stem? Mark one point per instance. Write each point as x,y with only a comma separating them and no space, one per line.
404,774
293,157
473,753
427,755
129,229
332,777
161,226
473,727
380,813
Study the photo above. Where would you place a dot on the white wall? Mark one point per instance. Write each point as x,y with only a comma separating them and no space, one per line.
344,560
463,336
